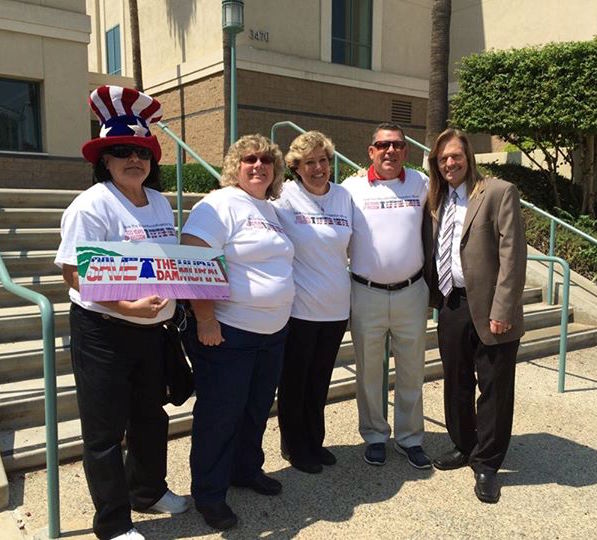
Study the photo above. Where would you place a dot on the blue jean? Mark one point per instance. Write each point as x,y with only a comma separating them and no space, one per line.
235,384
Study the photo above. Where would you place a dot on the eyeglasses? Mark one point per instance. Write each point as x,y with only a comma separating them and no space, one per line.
252,159
385,145
125,151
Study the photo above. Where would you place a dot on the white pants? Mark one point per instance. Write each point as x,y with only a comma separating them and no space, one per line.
402,313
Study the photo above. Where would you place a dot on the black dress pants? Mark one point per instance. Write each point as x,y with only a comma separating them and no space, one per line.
484,433
311,350
119,377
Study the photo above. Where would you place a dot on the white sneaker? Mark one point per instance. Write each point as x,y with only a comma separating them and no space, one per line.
170,503
132,534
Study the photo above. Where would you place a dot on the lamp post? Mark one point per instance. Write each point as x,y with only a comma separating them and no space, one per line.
232,24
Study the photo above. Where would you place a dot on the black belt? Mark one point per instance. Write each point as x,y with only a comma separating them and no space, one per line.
387,286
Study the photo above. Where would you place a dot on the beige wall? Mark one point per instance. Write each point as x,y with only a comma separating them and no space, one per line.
479,25
46,41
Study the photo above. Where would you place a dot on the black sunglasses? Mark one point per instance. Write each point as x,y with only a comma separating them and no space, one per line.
252,159
385,145
125,151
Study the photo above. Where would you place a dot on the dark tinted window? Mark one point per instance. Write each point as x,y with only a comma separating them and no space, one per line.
19,116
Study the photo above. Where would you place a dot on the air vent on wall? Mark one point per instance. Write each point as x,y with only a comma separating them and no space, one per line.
401,111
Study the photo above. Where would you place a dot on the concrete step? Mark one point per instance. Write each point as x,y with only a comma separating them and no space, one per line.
52,287
24,322
23,405
21,360
29,239
15,318
25,448
23,218
61,198
30,263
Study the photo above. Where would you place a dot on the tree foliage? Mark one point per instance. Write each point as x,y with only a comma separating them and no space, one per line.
537,98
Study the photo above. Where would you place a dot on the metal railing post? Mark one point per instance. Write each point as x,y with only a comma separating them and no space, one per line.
564,317
386,377
552,244
49,364
336,169
179,188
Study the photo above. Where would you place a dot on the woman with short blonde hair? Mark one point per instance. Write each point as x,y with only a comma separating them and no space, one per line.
317,216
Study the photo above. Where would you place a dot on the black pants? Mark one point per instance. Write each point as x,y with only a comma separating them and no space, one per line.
119,376
311,350
484,433
236,384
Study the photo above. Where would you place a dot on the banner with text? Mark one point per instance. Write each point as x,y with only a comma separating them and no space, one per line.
132,270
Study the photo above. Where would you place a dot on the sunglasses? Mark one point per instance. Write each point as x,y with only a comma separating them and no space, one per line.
252,159
385,145
125,151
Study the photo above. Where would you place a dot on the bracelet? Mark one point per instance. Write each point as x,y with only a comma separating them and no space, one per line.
206,320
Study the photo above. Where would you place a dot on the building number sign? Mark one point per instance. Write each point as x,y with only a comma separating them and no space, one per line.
258,35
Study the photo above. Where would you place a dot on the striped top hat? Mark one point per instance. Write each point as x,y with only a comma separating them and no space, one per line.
124,115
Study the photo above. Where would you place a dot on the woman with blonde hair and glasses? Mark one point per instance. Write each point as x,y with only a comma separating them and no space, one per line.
317,216
237,346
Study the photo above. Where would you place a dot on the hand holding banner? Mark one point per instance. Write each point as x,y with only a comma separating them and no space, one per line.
131,270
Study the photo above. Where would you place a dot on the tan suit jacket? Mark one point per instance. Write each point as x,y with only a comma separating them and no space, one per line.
493,252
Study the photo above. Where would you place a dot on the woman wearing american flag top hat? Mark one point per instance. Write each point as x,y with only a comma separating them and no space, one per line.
117,347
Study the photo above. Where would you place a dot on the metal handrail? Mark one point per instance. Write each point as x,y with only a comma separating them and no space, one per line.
49,363
180,146
564,317
337,155
552,241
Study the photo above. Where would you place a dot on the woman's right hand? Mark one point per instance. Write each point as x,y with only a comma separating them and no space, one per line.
147,308
209,332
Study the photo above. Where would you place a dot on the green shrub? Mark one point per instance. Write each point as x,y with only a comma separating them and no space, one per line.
195,178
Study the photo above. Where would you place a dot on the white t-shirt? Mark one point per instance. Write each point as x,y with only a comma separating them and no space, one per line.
103,213
319,227
258,256
386,245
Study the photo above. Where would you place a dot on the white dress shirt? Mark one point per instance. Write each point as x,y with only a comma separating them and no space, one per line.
460,213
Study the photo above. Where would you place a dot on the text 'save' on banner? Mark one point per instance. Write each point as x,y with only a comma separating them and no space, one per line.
132,270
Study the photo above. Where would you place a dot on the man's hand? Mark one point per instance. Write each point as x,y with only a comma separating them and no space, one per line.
499,327
209,332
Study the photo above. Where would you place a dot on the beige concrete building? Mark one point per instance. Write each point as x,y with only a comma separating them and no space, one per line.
340,66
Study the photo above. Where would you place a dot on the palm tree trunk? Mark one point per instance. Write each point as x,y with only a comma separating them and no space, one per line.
136,44
437,105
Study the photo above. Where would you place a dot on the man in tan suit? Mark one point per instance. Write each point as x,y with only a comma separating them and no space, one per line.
476,275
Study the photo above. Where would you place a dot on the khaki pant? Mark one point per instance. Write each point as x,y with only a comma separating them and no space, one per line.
402,313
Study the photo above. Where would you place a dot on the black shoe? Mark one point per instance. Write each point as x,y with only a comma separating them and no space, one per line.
487,488
263,484
219,516
326,457
310,467
454,459
415,455
375,454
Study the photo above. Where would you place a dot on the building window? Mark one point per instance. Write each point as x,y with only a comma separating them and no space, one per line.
19,116
351,32
113,50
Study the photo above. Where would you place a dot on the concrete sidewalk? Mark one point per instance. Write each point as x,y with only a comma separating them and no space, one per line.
549,479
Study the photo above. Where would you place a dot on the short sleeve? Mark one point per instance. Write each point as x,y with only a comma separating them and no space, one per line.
208,222
77,225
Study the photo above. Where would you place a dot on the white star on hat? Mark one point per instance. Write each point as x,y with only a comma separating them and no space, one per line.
138,129
104,131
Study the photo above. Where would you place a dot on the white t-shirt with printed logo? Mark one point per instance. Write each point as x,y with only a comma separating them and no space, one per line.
103,213
258,256
320,227
387,245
